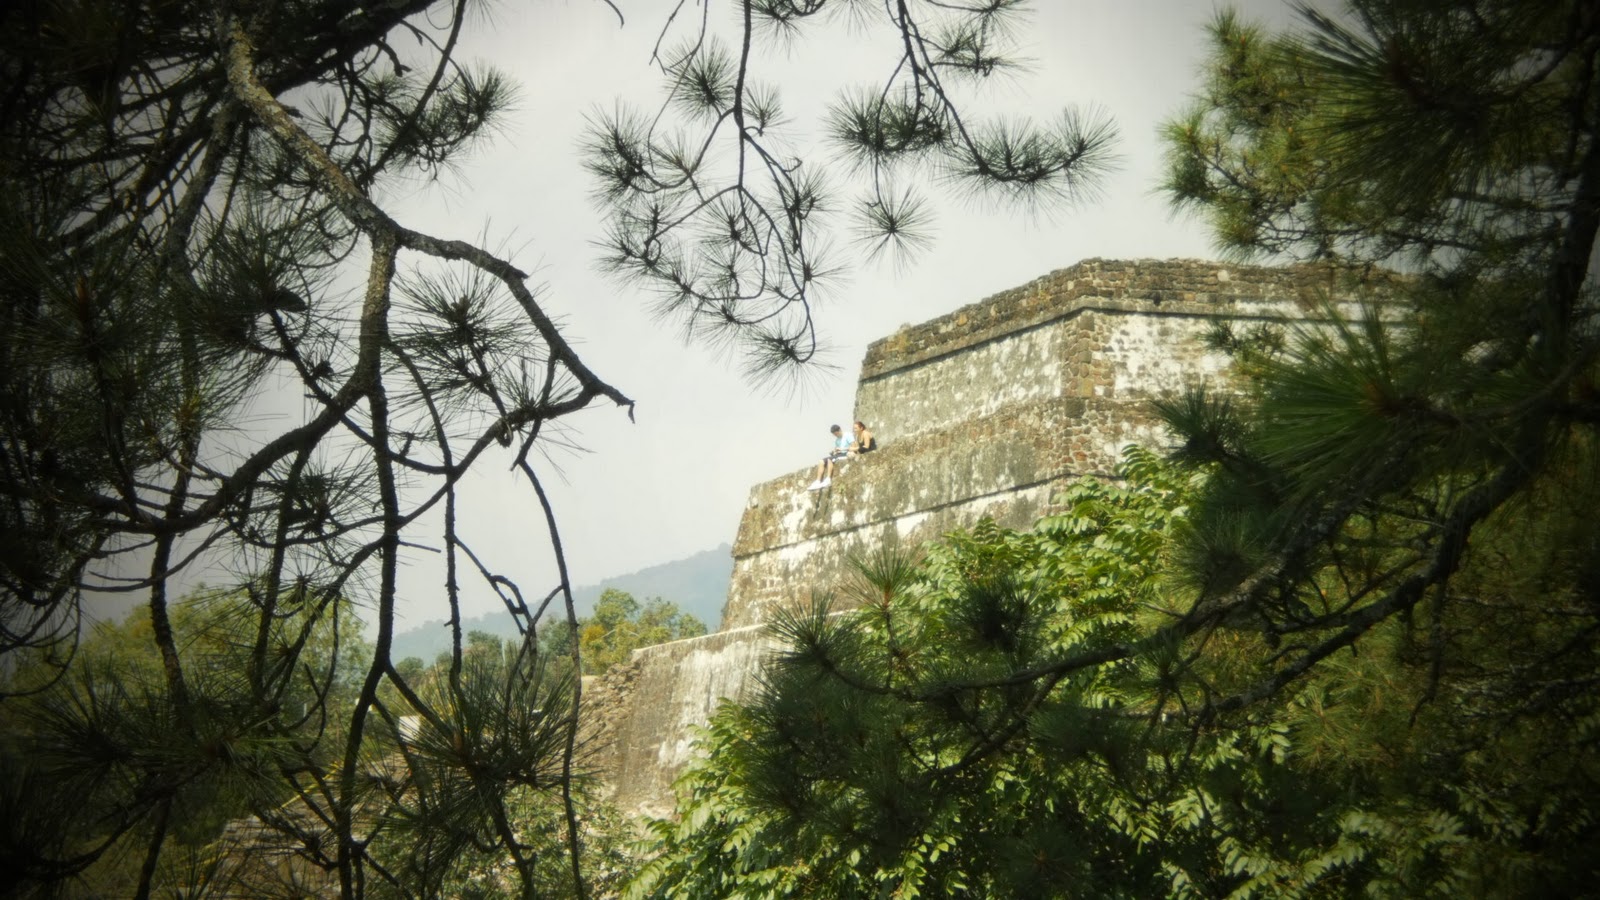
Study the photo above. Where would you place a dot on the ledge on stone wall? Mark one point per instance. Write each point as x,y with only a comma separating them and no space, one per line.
1177,285
1020,445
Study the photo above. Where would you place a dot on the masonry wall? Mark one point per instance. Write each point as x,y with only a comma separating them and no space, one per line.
1007,348
643,712
989,410
985,412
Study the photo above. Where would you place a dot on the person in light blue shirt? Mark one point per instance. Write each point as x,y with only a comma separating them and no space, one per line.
825,469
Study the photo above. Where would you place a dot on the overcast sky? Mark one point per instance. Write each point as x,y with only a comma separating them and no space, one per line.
675,482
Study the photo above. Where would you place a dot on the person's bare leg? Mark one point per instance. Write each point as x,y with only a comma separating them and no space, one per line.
816,478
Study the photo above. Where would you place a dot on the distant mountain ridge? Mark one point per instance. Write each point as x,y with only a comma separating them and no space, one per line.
698,584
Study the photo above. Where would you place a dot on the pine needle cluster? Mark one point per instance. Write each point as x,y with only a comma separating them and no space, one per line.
712,209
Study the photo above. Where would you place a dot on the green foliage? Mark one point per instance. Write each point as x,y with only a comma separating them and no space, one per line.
1398,128
899,750
177,246
1379,455
107,733
441,793
620,626
188,227
1354,652
1021,715
486,772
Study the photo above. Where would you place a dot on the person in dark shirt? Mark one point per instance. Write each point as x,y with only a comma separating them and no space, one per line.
864,441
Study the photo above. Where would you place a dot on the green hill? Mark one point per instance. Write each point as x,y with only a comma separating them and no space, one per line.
698,584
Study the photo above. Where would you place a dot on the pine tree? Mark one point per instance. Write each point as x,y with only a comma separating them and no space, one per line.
189,185
1457,144
1356,653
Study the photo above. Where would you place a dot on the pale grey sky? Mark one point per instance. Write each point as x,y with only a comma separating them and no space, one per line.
675,482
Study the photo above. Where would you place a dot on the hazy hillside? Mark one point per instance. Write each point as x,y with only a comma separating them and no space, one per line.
698,584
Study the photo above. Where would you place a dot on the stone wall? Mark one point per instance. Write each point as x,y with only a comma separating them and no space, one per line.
985,412
643,712
988,410
1016,345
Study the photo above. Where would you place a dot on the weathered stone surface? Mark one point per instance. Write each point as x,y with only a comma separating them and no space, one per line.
1197,287
985,412
645,710
792,541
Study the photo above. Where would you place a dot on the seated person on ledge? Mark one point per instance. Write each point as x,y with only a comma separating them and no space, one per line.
839,451
864,442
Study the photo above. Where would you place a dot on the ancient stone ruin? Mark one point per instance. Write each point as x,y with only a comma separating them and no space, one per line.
985,412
